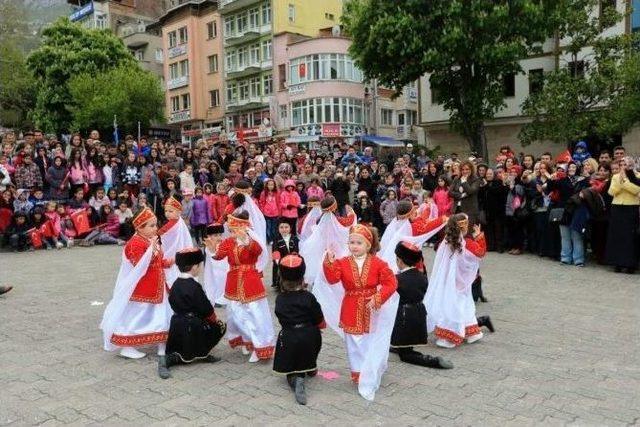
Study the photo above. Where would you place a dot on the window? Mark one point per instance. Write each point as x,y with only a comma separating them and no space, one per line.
213,63
413,117
254,18
182,35
173,71
231,60
139,54
173,40
212,30
266,50
607,9
232,92
159,55
536,80
214,98
576,69
282,72
243,23
254,54
243,90
401,117
242,57
282,113
292,13
323,67
327,110
186,101
175,104
386,117
266,13
101,21
254,87
184,67
329,16
267,82
229,26
509,85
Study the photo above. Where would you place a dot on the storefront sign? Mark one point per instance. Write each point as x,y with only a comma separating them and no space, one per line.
180,116
331,130
296,89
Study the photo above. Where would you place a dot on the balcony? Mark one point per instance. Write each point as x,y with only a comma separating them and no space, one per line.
177,51
180,116
136,39
229,6
247,70
178,82
248,103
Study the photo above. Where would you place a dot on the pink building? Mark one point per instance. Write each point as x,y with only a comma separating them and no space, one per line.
319,91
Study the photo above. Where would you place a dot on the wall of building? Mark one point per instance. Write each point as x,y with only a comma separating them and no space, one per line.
308,18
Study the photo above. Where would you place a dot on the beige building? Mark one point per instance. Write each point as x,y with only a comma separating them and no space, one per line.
504,129
193,68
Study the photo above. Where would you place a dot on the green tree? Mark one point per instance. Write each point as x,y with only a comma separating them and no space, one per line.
468,48
128,92
68,50
16,85
600,97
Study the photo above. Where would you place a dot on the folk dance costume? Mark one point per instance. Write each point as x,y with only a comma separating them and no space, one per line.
367,334
248,316
449,301
308,222
139,312
281,247
174,234
411,227
410,329
300,316
194,329
331,232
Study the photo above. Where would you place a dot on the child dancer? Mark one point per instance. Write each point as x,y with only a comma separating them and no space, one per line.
248,315
174,234
452,312
410,329
194,329
368,306
301,318
285,244
139,311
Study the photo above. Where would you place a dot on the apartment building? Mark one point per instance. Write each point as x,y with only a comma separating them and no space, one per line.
505,127
249,30
321,95
129,20
193,68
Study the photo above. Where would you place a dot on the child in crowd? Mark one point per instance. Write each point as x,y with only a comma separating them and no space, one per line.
388,207
187,205
107,229
194,328
289,203
112,194
124,215
303,199
441,197
219,201
37,198
18,232
208,196
300,315
200,216
21,203
284,244
55,225
364,209
269,204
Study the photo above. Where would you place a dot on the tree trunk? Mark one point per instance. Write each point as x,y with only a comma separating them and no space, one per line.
477,140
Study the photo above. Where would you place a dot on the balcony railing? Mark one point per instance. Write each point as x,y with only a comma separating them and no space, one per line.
180,116
178,82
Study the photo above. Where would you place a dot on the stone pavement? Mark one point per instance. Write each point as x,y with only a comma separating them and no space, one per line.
566,352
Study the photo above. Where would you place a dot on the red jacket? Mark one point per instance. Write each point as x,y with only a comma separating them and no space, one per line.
422,225
477,246
244,283
218,203
355,317
289,198
151,287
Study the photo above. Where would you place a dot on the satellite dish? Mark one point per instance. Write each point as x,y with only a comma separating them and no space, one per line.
336,31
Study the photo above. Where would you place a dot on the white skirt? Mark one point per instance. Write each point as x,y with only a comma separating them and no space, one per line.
250,325
143,324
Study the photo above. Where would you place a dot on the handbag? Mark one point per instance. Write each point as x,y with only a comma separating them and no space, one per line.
556,215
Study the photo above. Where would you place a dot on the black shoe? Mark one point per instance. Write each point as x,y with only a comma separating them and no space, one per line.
486,322
436,362
483,299
301,396
5,289
163,369
630,271
211,359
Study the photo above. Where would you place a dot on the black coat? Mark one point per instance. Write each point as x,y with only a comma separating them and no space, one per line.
193,331
495,199
340,189
279,245
299,341
410,328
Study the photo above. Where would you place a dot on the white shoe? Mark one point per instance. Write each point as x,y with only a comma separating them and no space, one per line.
131,353
59,245
69,243
245,351
253,358
444,343
474,338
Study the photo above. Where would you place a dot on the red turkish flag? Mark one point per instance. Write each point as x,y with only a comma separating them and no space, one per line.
36,238
302,70
80,221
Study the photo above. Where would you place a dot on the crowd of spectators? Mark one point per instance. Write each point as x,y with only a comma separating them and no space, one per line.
573,207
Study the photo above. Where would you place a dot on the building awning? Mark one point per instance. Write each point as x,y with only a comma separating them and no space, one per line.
382,141
302,139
